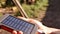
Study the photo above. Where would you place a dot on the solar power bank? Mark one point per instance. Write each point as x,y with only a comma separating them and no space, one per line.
10,22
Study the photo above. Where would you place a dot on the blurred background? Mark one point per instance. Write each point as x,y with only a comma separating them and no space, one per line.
34,8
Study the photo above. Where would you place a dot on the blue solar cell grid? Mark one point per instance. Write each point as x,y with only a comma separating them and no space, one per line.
18,24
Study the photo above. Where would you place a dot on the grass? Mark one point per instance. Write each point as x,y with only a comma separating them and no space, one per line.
35,9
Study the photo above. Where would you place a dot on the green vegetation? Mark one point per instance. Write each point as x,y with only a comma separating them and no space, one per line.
33,10
0,14
2,3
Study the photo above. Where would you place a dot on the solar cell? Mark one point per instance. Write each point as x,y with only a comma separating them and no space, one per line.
4,21
18,24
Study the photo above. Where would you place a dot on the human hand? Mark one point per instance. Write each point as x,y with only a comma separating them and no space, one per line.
33,21
45,29
29,20
15,32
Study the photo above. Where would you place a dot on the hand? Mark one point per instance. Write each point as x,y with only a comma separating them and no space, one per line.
33,21
29,20
46,30
15,32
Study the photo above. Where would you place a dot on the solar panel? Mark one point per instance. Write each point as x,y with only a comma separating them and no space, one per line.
18,24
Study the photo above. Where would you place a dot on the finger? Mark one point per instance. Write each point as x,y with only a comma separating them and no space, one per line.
19,32
31,21
14,32
0,30
35,22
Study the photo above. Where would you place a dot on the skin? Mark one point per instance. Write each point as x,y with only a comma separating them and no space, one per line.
29,20
41,27
15,32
